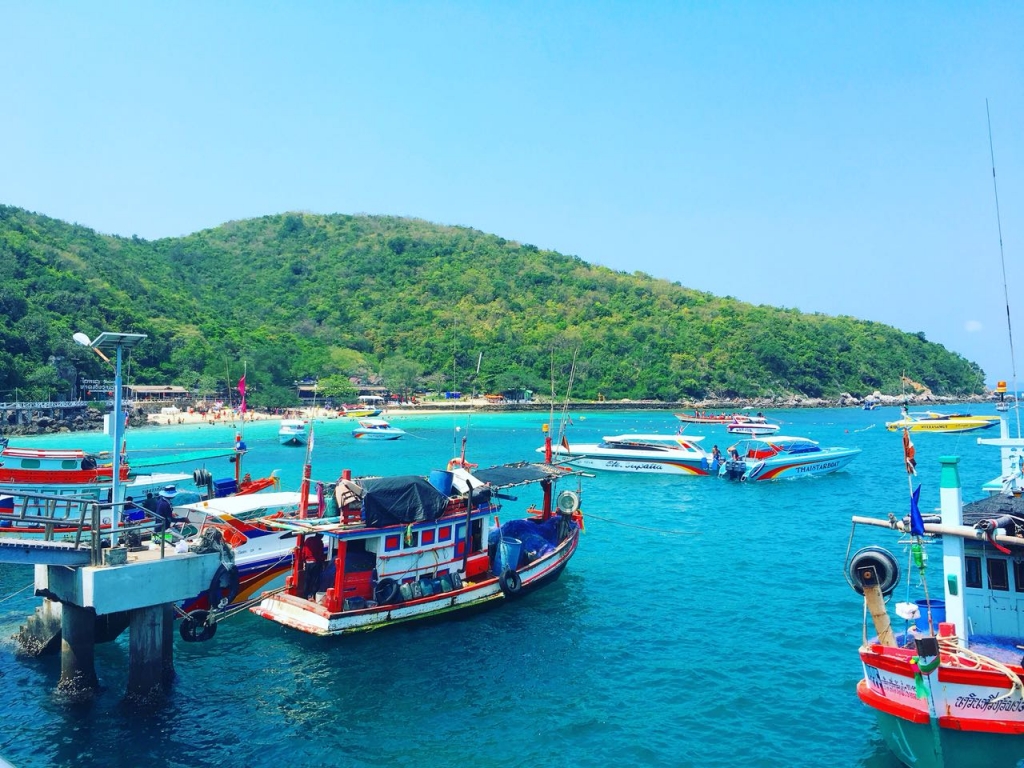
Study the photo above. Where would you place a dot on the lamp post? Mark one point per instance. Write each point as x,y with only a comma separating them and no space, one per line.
118,342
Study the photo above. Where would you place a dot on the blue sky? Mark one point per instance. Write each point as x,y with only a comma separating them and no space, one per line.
830,157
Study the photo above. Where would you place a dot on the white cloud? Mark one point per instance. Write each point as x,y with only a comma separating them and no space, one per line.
972,326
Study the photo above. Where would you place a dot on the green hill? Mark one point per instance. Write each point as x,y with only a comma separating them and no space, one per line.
299,295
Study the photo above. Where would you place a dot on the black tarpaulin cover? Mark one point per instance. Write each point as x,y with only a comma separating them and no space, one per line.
403,499
508,475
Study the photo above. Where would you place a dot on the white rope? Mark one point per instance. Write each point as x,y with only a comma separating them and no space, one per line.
968,659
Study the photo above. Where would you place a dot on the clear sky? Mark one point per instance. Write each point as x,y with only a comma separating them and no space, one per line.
826,156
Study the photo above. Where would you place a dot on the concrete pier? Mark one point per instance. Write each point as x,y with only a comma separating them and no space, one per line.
92,604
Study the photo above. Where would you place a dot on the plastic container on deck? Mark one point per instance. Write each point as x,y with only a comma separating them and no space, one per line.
938,613
442,481
507,555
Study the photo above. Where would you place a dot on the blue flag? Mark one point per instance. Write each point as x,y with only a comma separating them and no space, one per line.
916,523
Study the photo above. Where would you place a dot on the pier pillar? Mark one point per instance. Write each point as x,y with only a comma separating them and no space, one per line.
41,633
150,651
77,652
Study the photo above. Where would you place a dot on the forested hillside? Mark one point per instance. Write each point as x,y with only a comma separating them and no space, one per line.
300,295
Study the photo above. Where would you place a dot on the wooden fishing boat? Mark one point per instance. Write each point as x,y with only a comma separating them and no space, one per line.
944,676
705,417
408,548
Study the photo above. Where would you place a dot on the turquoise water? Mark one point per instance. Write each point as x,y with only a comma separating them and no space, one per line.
701,623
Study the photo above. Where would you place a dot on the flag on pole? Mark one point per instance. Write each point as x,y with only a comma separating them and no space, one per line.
916,522
908,453
565,443
241,391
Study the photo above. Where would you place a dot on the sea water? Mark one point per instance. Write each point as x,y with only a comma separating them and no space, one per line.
701,623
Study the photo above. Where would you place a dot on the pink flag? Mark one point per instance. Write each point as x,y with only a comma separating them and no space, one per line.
241,391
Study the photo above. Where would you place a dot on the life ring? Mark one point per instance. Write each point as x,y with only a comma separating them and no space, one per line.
874,567
196,627
458,463
224,573
510,583
386,592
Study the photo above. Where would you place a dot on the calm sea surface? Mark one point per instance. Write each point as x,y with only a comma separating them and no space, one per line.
701,623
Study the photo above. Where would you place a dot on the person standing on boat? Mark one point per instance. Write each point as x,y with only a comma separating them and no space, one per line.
314,555
716,455
164,508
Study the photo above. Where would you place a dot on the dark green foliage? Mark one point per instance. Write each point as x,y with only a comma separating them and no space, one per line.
300,295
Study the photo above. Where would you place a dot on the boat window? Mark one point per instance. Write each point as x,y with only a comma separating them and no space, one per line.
972,571
30,463
69,464
1018,575
998,577
410,539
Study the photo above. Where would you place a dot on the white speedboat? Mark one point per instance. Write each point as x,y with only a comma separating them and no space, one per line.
377,429
752,425
292,432
769,458
660,454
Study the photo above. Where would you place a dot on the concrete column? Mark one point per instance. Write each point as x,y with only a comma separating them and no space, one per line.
168,647
146,652
77,652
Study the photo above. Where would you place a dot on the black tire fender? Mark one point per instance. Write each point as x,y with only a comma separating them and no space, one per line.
196,627
386,592
510,583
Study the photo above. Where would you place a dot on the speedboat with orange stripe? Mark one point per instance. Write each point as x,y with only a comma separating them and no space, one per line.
771,458
648,453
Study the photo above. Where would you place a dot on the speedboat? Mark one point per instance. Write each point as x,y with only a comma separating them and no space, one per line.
661,454
751,425
292,432
944,674
931,421
408,548
769,458
377,429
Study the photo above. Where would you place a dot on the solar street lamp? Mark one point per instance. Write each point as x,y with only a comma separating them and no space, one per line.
117,342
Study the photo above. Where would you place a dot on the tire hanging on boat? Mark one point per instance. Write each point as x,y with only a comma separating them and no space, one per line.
196,627
386,592
510,583
224,576
874,567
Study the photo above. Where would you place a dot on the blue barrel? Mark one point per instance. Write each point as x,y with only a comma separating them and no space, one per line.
442,481
507,555
938,613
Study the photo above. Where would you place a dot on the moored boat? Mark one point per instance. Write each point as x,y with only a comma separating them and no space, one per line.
705,417
377,429
932,421
771,458
292,432
751,425
646,453
405,548
947,690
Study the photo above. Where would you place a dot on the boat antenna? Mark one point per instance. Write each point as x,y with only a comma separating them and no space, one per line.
564,420
1002,262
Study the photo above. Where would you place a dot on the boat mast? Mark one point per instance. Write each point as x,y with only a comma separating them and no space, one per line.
1002,262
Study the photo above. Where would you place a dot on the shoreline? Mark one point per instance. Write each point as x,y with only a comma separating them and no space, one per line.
483,406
